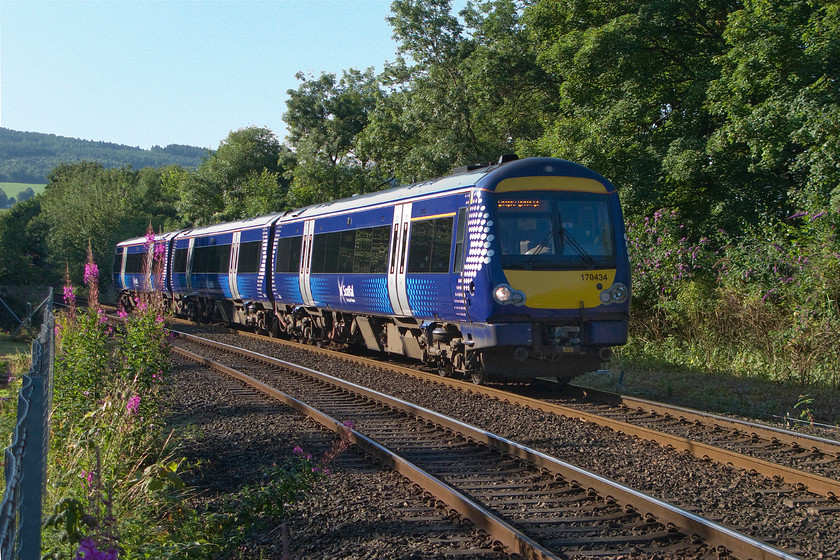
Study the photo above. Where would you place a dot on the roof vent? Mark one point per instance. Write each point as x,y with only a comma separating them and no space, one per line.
466,168
505,158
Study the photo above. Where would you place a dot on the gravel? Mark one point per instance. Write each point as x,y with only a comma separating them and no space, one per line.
748,503
359,511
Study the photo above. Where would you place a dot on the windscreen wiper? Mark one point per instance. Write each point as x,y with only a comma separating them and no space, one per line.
564,234
536,250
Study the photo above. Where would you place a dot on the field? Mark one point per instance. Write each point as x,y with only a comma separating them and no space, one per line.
12,190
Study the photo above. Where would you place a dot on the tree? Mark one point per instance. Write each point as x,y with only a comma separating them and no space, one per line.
218,190
325,116
83,202
778,94
463,91
25,194
23,248
86,203
633,78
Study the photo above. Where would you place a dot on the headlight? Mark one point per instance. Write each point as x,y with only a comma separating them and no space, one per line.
505,295
619,293
502,293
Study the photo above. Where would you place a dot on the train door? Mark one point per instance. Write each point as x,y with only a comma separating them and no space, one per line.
121,268
400,231
306,262
233,265
457,282
188,275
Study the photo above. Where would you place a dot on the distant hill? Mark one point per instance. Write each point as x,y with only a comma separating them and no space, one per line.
28,157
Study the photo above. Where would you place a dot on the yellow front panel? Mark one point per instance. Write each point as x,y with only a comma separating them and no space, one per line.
561,289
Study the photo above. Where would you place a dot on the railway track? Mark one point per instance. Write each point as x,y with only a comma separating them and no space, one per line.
537,506
802,461
806,461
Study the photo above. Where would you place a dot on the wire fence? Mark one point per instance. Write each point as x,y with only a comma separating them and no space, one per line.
19,308
26,458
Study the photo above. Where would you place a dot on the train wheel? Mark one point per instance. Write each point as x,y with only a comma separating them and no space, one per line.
445,369
479,376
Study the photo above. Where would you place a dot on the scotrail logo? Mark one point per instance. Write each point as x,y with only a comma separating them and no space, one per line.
346,293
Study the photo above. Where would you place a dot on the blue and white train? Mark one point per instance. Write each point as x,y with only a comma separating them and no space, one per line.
515,270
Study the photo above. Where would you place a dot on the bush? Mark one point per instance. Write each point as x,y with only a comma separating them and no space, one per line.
762,303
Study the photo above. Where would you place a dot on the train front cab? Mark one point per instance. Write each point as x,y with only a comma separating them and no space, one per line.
557,275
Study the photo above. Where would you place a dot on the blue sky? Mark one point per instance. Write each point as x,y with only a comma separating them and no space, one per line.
174,72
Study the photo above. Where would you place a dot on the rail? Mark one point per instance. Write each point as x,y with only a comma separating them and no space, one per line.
26,458
687,523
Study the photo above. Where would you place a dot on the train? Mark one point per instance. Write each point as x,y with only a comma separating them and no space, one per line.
511,271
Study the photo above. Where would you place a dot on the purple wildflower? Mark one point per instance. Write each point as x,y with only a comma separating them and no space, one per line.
89,551
133,405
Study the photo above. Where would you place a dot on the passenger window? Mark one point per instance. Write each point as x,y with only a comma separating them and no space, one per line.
179,261
288,254
430,246
249,257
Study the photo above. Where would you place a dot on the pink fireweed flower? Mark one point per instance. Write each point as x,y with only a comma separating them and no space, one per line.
133,405
160,251
121,313
91,273
69,296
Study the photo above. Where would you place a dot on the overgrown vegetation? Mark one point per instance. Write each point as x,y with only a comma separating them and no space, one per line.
717,121
116,488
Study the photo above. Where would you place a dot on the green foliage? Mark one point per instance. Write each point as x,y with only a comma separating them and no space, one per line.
763,303
23,245
244,178
777,91
28,157
109,461
143,349
473,89
326,116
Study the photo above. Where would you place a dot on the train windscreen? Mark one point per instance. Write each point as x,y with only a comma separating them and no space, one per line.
562,230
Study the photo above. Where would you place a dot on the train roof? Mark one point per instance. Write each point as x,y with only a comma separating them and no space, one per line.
484,177
250,223
424,188
142,240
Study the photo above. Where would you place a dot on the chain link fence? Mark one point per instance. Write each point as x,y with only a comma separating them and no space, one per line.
25,461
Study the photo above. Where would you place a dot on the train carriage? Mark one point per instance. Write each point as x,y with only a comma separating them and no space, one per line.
134,266
515,270
218,272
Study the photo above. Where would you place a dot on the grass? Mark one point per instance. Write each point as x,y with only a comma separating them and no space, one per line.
12,347
643,371
14,189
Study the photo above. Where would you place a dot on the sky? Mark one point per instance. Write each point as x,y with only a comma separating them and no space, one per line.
157,72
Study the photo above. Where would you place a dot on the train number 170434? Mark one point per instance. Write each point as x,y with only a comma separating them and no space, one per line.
594,277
